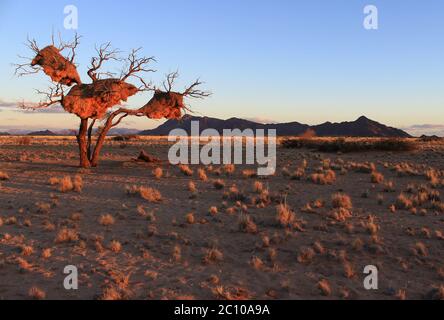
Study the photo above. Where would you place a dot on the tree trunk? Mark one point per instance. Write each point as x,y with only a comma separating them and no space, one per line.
83,145
99,144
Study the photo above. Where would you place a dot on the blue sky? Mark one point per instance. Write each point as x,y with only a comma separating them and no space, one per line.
284,60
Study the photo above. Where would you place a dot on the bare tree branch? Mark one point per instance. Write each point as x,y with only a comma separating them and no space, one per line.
26,68
104,53
53,96
193,92
69,45
136,65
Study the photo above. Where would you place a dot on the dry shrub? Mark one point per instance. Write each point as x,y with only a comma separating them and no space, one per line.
229,169
46,253
202,175
78,183
349,271
115,246
246,224
24,141
298,174
258,187
284,215
256,262
65,184
324,286
147,193
341,214
377,177
213,255
36,293
340,200
177,253
190,218
43,207
186,170
401,294
306,256
404,202
27,250
351,145
66,235
213,211
318,247
158,173
326,177
4,176
111,293
192,187
249,173
219,184
420,249
371,225
106,220
53,181
389,186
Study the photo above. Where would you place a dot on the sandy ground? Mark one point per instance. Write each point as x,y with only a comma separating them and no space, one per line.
158,250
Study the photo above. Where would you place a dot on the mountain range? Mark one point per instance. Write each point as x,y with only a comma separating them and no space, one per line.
361,127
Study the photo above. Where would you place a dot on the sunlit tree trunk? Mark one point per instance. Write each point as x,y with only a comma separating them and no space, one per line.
83,144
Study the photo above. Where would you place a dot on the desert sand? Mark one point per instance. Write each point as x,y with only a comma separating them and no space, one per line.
140,230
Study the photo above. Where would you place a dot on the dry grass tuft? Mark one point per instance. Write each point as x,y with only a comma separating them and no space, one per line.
46,253
4,176
258,187
246,224
190,218
229,169
284,215
66,235
192,187
106,220
340,200
326,177
65,184
115,246
256,262
219,184
324,286
213,211
212,256
377,177
202,175
420,249
158,173
306,256
186,170
36,293
147,193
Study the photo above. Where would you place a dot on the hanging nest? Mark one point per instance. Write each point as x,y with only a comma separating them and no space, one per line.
93,100
167,105
56,66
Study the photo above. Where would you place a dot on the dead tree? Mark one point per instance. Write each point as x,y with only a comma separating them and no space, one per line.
95,101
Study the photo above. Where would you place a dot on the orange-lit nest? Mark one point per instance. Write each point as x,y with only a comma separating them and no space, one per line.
93,100
56,66
167,105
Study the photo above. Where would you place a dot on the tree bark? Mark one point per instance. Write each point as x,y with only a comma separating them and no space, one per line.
83,144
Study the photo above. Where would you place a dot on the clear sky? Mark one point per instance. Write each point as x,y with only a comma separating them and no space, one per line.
285,60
